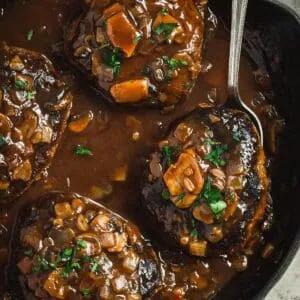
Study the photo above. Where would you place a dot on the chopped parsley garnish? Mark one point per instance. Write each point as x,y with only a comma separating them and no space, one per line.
137,38
2,140
165,29
81,244
20,84
170,153
85,292
165,194
164,11
29,35
28,252
215,155
94,266
180,197
112,58
35,268
194,233
236,136
173,65
66,254
43,263
86,258
82,151
31,94
213,197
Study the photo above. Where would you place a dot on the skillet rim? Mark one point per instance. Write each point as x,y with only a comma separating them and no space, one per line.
294,247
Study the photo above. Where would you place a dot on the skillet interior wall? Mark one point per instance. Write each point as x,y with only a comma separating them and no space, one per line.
272,43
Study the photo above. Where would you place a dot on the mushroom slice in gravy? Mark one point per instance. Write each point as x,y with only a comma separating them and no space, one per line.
69,247
138,52
31,117
212,193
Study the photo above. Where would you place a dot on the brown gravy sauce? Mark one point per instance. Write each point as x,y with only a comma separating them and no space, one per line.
113,146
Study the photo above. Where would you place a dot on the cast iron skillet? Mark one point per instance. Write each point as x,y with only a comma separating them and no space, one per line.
272,42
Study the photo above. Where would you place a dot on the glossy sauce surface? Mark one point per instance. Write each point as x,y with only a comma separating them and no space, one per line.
111,135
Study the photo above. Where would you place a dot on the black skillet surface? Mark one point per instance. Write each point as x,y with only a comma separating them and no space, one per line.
272,41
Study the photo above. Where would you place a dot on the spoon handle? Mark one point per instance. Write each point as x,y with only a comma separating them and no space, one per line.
238,16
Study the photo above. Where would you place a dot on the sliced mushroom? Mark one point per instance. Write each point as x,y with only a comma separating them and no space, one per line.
22,171
42,135
203,214
179,184
16,63
5,124
93,244
56,285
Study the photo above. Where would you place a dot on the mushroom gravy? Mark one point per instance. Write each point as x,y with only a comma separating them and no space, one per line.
101,156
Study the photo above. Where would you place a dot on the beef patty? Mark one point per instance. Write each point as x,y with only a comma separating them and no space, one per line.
138,52
34,106
206,186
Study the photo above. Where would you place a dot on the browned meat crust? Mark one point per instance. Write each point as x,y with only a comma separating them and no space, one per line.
138,52
34,106
224,215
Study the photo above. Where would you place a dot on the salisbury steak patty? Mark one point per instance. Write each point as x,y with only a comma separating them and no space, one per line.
34,106
138,51
206,185
69,247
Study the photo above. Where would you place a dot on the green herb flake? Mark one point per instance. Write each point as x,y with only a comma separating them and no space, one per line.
2,140
29,35
81,244
94,266
236,136
67,254
170,153
180,197
165,29
194,233
28,252
217,207
43,263
82,151
85,292
164,11
112,58
165,194
20,84
215,155
31,94
86,258
213,197
35,269
173,65
137,38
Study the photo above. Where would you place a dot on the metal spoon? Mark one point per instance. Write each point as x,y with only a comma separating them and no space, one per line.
238,16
